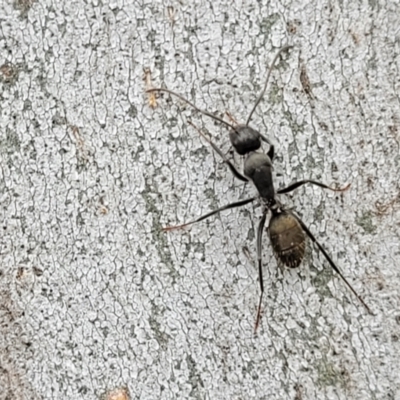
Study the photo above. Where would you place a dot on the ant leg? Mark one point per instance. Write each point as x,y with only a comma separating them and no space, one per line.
332,264
300,183
233,169
226,207
260,274
271,152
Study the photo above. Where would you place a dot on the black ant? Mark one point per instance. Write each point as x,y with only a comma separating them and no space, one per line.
287,231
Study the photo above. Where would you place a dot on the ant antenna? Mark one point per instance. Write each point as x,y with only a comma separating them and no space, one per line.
266,82
191,104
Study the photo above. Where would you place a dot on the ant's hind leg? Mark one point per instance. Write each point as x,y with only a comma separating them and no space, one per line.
330,261
260,274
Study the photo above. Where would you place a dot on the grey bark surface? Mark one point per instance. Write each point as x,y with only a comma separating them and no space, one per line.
94,297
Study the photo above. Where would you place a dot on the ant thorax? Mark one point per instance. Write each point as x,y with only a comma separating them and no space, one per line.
258,167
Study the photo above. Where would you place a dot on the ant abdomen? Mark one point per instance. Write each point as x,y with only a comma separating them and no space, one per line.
245,139
287,239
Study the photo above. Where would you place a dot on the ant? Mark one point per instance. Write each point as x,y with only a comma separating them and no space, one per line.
287,232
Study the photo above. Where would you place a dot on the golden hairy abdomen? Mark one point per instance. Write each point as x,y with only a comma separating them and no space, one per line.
287,239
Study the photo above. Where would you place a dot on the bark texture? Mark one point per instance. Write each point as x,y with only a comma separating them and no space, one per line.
95,298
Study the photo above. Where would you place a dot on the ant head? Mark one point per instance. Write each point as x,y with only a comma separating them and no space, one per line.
245,139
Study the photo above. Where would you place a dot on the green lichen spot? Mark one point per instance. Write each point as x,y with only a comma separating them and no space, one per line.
365,221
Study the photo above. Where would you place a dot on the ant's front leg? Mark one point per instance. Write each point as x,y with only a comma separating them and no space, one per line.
233,169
